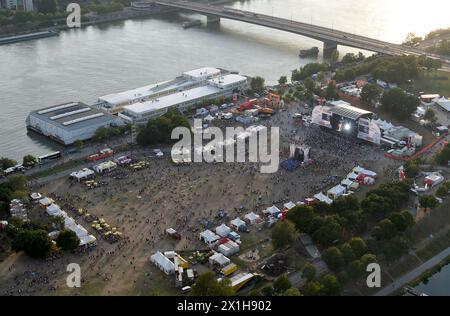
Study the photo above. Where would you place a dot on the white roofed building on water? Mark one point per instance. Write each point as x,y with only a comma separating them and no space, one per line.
192,88
69,122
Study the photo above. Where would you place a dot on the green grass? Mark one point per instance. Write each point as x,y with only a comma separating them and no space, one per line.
429,273
434,247
432,82
57,169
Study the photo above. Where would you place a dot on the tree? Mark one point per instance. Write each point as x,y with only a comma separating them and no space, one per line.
292,292
358,246
257,84
282,284
282,80
443,158
334,57
349,74
101,133
367,259
442,191
329,232
313,288
67,240
399,104
356,269
402,220
384,230
395,248
207,285
430,116
412,39
29,161
267,291
283,234
6,163
331,91
58,222
331,286
370,92
309,271
309,84
302,217
35,243
78,144
333,258
17,183
46,6
347,252
427,201
411,168
159,130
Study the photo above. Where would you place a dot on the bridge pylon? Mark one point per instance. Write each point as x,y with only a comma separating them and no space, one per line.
329,47
212,19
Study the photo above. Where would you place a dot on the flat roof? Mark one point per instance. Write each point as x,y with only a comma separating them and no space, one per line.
228,79
141,92
171,100
202,72
348,111
72,115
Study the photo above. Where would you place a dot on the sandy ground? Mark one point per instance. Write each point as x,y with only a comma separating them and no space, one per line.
164,195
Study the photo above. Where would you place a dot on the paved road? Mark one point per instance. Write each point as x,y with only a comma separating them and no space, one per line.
401,281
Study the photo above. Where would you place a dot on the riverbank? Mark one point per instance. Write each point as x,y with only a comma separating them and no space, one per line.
126,14
424,277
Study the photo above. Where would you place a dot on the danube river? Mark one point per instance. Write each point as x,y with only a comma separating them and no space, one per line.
86,63
438,284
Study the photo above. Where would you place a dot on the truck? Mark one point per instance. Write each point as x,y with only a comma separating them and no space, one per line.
102,154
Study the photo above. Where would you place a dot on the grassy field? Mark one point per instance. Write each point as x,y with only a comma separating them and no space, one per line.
432,82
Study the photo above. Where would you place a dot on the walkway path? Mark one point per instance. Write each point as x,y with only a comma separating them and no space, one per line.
401,281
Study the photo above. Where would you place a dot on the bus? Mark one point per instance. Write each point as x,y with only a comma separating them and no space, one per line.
49,157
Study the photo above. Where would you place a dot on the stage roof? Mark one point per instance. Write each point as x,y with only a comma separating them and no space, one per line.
349,111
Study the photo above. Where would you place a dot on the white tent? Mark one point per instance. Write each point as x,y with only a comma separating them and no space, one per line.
69,222
105,166
237,223
159,154
82,174
87,240
163,263
223,230
209,118
323,198
444,103
251,218
346,182
289,205
352,176
209,237
336,191
53,210
35,196
219,259
45,201
360,170
273,210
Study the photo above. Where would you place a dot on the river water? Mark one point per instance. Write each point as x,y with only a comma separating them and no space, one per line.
438,284
82,64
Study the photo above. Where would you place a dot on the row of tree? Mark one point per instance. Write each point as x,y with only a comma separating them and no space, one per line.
33,238
27,161
393,69
159,130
